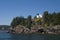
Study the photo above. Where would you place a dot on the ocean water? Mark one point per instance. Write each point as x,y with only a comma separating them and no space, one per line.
10,36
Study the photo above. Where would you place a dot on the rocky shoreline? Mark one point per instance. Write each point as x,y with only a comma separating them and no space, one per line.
35,29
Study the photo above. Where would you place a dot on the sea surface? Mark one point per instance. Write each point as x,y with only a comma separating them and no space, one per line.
10,36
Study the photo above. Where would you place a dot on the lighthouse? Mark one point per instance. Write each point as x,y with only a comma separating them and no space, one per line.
39,16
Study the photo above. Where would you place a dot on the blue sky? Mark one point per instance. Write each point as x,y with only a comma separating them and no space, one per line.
12,8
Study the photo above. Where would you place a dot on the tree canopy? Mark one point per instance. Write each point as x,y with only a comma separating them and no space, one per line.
48,19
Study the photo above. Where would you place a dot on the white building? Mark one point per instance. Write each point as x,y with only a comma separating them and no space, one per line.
39,16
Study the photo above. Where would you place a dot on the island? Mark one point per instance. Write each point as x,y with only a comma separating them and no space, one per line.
42,24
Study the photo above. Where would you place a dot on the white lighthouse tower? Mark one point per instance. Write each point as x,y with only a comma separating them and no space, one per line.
39,16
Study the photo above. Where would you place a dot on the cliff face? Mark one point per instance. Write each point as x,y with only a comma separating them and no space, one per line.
21,29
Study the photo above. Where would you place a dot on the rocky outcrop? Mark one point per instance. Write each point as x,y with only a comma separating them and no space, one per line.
53,29
36,29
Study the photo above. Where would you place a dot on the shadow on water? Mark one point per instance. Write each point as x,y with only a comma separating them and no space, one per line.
9,36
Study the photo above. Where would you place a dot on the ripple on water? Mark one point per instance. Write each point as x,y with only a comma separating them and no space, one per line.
9,36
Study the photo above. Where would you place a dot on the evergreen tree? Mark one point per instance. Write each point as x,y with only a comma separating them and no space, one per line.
29,21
